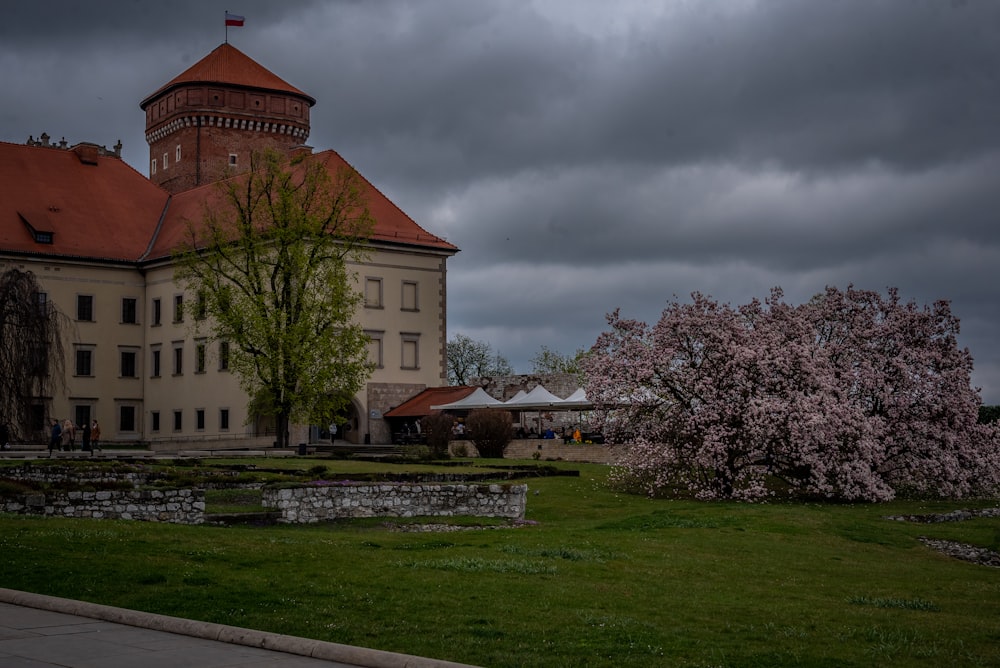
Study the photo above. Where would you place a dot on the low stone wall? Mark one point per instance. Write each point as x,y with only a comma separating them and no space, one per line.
179,506
548,449
83,476
306,505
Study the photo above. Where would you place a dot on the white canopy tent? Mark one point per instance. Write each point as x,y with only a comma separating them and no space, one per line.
520,393
478,399
577,401
536,399
539,400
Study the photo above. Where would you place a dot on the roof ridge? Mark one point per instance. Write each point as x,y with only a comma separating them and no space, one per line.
430,235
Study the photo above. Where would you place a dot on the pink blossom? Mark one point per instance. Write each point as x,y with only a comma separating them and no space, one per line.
854,395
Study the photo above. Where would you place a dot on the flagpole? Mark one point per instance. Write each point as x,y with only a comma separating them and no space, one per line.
226,16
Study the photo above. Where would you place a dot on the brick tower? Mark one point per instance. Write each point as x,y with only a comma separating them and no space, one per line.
206,121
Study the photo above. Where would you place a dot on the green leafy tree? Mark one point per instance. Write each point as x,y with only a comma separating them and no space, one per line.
468,359
31,352
269,267
551,361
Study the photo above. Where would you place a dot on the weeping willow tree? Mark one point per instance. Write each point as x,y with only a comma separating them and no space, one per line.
269,268
31,352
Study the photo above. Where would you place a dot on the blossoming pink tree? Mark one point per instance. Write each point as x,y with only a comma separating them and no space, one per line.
853,395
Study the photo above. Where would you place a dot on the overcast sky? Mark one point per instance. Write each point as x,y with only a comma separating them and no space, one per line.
588,155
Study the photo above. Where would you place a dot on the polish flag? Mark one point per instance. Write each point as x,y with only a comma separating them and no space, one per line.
234,20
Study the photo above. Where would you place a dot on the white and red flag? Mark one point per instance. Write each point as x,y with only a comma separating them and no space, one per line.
234,20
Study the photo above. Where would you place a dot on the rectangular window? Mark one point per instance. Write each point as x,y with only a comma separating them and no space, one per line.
152,167
38,417
178,358
199,419
409,302
154,362
128,364
38,358
128,310
411,348
126,418
84,362
232,159
178,420
82,415
199,358
223,419
200,306
178,308
85,308
375,347
154,418
373,292
177,153
156,312
164,161
223,355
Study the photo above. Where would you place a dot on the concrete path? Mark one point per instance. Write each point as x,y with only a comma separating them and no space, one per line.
46,632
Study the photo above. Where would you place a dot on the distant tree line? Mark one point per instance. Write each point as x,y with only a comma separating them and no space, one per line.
469,358
989,414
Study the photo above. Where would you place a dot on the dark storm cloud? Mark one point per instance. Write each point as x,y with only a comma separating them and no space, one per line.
66,25
588,155
813,85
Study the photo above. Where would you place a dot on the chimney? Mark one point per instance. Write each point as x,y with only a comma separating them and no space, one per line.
87,153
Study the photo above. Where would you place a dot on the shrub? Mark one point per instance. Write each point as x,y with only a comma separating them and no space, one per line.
437,428
490,431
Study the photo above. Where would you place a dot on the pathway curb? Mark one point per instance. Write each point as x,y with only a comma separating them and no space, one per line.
317,649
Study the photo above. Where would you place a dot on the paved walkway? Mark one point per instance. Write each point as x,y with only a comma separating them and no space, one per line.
46,632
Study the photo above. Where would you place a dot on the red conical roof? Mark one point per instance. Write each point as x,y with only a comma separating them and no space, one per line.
229,66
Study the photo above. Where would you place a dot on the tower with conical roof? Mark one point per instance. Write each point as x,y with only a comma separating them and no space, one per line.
206,121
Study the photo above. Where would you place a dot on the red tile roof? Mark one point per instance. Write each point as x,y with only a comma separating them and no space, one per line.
105,210
392,225
109,211
228,65
420,405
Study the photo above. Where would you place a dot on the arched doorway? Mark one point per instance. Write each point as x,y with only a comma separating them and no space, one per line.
349,426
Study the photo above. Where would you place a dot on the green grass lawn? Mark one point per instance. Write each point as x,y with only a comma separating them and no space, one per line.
602,579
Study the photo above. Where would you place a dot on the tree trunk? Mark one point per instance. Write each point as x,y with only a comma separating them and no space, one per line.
281,427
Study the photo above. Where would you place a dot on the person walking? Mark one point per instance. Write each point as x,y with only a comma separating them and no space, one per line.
95,437
69,434
56,436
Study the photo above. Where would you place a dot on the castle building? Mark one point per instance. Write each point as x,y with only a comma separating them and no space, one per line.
208,119
99,236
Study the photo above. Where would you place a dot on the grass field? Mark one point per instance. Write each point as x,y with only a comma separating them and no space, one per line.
596,578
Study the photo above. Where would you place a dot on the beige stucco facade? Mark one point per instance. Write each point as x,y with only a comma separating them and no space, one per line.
162,380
